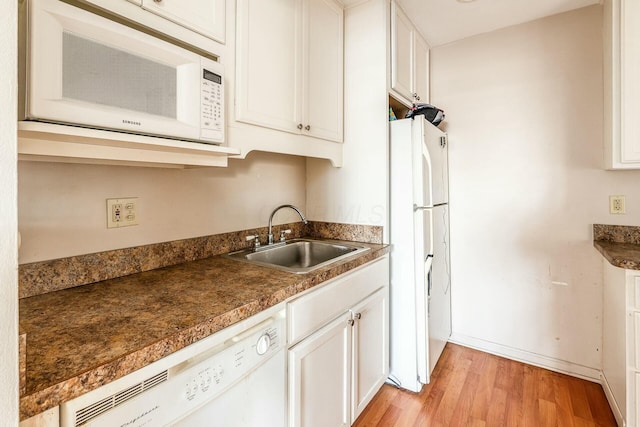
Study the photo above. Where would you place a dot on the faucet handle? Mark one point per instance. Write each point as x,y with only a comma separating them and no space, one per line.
255,238
283,232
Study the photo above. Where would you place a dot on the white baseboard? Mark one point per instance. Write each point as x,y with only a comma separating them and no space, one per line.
530,358
612,401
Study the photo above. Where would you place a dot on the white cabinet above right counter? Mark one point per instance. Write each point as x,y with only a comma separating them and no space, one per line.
621,84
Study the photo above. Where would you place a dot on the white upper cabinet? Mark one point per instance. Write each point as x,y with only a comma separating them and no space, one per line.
409,60
200,23
401,53
322,71
421,69
206,17
289,66
622,84
268,63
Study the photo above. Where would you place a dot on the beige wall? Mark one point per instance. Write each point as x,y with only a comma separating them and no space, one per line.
524,115
358,192
62,207
8,218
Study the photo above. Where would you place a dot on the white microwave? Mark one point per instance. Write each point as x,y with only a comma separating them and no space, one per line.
82,69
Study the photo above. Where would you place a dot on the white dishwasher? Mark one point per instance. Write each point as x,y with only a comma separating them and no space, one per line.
235,378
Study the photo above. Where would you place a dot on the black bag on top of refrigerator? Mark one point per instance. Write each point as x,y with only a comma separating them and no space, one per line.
432,113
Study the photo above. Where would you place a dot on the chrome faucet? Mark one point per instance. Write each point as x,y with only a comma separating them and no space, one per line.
270,236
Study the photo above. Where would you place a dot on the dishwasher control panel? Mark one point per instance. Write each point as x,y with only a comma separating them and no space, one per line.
209,377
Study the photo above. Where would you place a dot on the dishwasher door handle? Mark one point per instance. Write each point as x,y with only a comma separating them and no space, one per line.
242,335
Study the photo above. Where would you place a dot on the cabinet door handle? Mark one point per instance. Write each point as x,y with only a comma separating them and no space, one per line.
158,1
358,316
307,127
350,322
300,126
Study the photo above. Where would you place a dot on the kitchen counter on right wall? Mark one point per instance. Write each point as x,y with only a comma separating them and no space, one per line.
619,244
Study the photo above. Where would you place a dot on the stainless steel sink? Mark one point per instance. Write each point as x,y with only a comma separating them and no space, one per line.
298,255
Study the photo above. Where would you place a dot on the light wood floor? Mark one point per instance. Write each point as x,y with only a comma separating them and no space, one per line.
472,388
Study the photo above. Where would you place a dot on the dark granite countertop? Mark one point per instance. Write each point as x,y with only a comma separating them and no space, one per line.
619,244
623,255
83,337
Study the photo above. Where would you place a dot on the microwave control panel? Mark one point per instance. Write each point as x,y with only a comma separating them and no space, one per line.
212,106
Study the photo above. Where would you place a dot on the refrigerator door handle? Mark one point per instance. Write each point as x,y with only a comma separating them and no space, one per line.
428,264
424,208
428,267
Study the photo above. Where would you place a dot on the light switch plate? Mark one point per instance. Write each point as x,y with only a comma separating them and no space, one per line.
122,212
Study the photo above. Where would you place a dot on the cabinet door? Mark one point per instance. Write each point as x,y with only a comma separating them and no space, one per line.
630,82
268,63
634,338
637,404
421,69
320,376
323,69
401,53
370,349
206,17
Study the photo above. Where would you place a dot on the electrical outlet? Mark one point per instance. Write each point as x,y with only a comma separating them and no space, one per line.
122,212
616,205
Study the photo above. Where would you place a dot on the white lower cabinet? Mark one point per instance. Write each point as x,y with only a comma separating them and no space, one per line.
338,353
319,376
370,343
637,394
621,343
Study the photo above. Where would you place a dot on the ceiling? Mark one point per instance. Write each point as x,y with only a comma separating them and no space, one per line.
444,21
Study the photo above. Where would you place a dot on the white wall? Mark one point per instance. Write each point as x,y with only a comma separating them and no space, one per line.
358,193
8,217
524,115
62,207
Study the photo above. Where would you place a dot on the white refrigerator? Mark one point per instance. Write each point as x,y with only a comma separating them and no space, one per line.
420,289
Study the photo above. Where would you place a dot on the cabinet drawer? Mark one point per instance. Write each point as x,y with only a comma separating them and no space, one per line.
636,293
312,310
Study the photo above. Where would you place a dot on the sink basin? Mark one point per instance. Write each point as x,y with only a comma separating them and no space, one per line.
298,255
